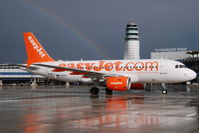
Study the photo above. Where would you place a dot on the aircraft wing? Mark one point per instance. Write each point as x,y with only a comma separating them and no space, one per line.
91,74
24,66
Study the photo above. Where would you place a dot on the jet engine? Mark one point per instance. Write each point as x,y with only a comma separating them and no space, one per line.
118,83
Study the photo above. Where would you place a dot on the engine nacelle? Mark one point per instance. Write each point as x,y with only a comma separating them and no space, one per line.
118,83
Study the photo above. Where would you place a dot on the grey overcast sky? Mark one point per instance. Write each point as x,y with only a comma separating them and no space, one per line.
95,29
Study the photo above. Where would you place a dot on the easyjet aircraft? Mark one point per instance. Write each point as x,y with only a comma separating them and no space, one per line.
115,75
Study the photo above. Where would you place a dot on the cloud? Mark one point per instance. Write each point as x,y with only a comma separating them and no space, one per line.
162,24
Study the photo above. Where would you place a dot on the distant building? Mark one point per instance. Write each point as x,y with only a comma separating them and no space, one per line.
12,74
170,53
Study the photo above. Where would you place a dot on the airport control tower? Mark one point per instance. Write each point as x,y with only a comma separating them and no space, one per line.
132,43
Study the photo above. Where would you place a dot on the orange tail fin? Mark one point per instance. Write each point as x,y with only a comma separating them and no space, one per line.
35,51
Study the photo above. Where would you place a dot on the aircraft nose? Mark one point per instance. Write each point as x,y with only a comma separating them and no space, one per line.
192,74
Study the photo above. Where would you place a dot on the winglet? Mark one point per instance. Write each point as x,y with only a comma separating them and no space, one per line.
35,51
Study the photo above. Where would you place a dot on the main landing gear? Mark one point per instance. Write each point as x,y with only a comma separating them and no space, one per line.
95,91
164,91
108,91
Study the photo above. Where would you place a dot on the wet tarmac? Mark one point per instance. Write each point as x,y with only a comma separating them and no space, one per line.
57,109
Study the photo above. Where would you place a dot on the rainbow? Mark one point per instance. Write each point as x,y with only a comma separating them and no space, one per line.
89,42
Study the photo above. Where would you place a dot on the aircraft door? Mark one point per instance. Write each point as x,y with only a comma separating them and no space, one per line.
163,67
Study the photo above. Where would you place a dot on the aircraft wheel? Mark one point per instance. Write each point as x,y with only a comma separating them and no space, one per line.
94,90
108,91
164,91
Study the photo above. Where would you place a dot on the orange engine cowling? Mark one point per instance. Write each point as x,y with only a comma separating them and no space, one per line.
118,83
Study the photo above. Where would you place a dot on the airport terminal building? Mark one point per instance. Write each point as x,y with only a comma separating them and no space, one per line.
13,75
170,53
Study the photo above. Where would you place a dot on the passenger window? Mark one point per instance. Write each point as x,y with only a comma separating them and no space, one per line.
180,66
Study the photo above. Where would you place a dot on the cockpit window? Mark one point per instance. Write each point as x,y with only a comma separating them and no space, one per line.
180,66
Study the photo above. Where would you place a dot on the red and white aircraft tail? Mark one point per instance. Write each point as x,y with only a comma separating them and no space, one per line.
35,52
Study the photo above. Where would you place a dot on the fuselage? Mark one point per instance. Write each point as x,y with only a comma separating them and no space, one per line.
140,71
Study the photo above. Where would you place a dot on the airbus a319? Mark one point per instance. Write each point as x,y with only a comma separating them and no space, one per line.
114,75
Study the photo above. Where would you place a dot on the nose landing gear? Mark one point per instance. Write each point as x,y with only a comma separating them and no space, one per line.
164,91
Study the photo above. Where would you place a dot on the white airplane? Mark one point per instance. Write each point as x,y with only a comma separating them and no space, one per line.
115,75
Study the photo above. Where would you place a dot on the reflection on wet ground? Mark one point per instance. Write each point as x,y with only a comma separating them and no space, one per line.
49,109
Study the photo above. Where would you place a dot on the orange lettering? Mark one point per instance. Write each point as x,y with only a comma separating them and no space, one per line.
89,66
129,67
70,65
139,67
117,66
62,65
151,65
99,68
108,66
80,66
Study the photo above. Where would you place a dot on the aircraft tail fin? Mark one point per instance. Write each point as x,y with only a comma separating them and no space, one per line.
34,50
